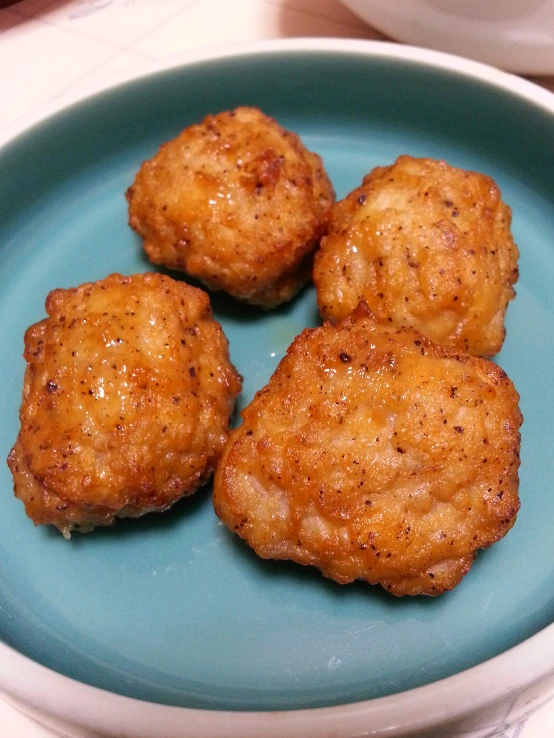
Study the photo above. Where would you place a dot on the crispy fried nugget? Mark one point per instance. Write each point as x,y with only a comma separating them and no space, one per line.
375,454
237,202
126,402
427,246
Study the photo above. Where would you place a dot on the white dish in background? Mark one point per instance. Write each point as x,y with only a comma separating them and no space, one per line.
516,35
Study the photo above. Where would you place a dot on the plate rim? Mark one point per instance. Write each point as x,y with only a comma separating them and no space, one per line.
392,50
465,692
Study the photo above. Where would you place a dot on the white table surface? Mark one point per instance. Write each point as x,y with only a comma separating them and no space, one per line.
52,47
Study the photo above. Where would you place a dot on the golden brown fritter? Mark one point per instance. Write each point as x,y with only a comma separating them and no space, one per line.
427,246
237,202
375,454
126,402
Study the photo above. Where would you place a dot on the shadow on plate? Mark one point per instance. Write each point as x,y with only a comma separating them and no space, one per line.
223,305
125,528
295,575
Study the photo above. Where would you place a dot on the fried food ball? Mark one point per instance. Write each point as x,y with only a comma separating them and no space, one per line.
237,202
425,245
375,454
126,401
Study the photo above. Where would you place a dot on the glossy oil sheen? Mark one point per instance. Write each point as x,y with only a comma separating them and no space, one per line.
173,608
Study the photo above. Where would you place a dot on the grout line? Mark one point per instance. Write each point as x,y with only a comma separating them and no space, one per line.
98,67
95,37
117,51
161,24
75,31
144,54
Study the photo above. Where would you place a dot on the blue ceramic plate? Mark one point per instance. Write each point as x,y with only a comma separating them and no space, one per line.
173,608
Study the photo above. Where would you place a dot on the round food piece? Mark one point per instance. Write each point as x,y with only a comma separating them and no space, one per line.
126,402
427,246
375,454
237,202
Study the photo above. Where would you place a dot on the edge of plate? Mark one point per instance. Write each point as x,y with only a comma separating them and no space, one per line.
506,81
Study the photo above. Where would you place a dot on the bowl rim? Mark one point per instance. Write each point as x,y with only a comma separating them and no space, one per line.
466,692
515,45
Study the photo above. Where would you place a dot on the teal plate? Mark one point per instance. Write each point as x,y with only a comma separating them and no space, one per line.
173,608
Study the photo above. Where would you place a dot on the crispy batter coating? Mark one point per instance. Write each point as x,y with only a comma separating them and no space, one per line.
237,202
427,246
375,454
126,402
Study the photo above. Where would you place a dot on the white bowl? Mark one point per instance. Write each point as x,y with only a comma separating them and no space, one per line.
516,35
